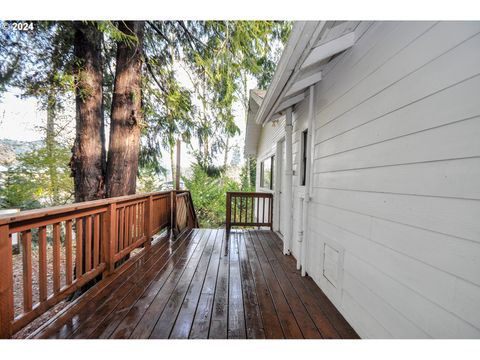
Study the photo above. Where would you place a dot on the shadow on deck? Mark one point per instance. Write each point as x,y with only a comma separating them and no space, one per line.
201,286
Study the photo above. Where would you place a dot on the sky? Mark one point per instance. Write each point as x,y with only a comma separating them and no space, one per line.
20,117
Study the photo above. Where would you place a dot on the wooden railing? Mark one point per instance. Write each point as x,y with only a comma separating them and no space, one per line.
249,209
77,243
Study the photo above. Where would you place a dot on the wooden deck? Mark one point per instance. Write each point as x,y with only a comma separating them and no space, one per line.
205,286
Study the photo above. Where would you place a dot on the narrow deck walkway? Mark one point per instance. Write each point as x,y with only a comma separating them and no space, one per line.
205,286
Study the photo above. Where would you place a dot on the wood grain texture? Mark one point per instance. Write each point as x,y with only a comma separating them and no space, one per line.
27,270
205,285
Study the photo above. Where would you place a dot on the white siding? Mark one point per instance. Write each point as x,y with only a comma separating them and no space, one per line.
267,144
396,179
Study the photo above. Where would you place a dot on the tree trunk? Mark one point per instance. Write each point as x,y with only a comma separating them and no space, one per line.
88,153
225,158
127,114
50,146
172,165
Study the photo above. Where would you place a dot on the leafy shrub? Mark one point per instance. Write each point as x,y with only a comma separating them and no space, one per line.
209,196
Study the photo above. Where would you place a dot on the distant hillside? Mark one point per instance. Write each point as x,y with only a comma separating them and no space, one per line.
10,149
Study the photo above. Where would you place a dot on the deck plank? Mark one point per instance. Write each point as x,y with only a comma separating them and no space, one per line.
309,301
107,316
184,321
253,315
191,280
336,319
80,312
236,316
201,322
152,278
201,286
135,313
285,314
147,323
219,319
304,321
271,322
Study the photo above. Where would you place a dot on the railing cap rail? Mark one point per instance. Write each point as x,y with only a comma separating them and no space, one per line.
55,210
250,193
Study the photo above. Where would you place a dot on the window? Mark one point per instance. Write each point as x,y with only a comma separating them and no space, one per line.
266,173
303,178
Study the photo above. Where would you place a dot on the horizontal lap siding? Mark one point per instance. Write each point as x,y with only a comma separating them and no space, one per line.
270,135
396,174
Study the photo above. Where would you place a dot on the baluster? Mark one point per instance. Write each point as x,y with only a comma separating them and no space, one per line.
56,258
263,211
96,240
121,229
258,209
270,219
79,246
27,270
88,244
126,226
148,220
42,263
234,209
252,210
68,252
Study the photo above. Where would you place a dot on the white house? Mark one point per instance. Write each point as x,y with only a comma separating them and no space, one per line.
369,139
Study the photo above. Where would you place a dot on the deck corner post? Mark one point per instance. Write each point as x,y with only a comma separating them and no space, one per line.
229,213
148,221
6,283
173,227
111,225
271,213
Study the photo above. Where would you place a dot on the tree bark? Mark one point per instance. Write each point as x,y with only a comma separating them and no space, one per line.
172,165
126,114
88,153
225,157
50,146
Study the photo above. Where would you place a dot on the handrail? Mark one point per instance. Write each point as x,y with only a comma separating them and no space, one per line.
249,209
88,239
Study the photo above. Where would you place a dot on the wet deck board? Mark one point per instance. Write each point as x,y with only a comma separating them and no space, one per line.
207,285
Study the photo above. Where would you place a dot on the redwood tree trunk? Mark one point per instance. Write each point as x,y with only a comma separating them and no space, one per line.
126,116
88,153
51,145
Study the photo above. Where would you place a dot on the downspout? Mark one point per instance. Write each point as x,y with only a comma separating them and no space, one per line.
287,243
308,180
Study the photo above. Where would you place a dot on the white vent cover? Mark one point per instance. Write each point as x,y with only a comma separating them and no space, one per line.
331,265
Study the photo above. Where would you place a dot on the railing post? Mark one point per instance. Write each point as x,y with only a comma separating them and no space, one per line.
229,211
6,283
111,226
174,214
148,221
271,212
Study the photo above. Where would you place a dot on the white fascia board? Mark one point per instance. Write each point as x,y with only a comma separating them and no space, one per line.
290,102
330,48
300,39
304,83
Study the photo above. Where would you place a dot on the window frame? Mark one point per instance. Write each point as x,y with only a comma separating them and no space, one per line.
270,185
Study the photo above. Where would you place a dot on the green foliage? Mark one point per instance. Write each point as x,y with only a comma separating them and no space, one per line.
18,191
29,185
209,196
248,174
218,57
147,180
